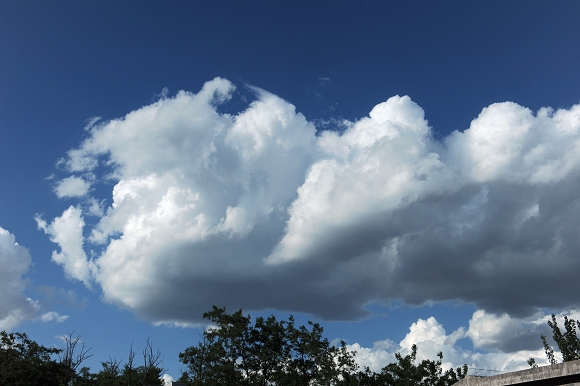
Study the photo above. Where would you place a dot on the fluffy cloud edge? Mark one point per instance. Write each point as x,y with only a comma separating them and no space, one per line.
72,186
67,232
15,306
195,187
486,357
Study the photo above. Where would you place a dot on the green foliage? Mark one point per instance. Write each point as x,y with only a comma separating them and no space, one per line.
84,377
406,372
115,374
568,341
272,352
71,357
549,353
234,351
112,374
25,362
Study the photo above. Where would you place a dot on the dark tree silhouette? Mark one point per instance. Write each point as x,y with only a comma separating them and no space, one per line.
270,352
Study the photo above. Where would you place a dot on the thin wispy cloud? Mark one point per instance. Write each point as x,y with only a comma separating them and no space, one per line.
53,316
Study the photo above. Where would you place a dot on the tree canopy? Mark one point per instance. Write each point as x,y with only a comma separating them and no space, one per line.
407,372
23,362
233,351
567,341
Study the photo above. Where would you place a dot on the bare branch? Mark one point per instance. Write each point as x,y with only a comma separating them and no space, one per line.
71,358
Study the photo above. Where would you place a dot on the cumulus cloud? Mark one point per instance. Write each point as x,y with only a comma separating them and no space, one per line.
256,210
431,338
72,187
510,334
67,232
53,316
15,261
167,379
506,333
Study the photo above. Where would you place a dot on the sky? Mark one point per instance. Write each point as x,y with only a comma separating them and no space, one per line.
400,172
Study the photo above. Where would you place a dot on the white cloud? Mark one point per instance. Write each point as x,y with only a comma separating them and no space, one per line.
431,338
72,187
381,354
506,333
67,232
507,142
369,171
509,334
53,316
15,307
254,210
167,379
95,207
15,261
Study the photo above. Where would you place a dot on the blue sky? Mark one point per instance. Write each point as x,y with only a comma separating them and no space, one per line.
352,162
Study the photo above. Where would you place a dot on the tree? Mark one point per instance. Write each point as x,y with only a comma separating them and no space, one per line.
568,342
150,373
429,372
71,358
278,353
406,372
269,352
110,374
84,377
25,362
114,374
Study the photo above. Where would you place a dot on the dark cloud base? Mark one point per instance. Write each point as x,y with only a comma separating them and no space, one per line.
258,210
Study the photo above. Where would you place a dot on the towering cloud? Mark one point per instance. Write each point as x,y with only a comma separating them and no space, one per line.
259,210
